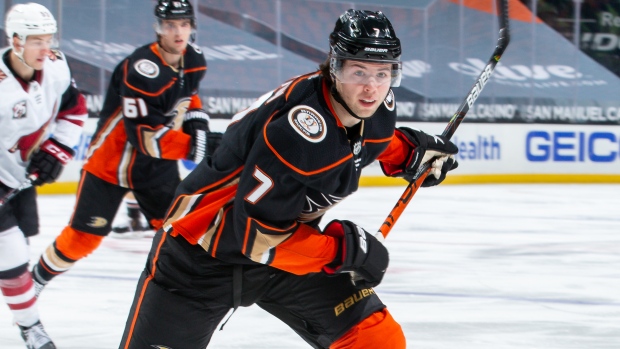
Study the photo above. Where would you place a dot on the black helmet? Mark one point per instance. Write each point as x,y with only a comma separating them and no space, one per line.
174,9
365,36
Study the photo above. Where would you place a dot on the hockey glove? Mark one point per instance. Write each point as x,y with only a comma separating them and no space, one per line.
47,163
203,143
424,147
359,252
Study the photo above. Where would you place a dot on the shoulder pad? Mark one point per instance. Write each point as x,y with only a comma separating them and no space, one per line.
305,141
143,74
194,58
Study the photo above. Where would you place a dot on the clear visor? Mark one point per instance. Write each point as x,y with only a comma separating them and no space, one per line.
41,42
366,72
176,26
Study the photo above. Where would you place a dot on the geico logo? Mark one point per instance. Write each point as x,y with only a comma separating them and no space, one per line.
517,72
350,301
572,146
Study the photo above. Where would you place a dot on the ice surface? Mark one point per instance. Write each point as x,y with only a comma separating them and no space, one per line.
472,267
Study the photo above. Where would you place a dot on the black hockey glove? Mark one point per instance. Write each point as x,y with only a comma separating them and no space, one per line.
360,252
47,162
204,142
425,147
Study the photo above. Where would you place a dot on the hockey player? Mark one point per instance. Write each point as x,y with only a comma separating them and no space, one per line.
244,226
151,118
37,97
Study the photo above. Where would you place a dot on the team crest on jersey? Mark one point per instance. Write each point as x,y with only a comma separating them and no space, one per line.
308,123
97,222
147,68
19,110
389,101
177,113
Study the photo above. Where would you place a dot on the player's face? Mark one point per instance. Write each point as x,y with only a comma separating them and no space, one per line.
175,34
363,85
37,49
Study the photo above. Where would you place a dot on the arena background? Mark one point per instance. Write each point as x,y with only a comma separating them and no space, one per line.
550,113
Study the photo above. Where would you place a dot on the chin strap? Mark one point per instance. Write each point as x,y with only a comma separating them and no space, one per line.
20,56
339,99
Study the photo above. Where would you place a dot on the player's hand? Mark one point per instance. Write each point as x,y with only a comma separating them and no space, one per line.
425,147
47,162
196,124
360,252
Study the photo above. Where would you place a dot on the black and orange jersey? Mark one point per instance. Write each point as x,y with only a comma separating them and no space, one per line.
139,138
281,165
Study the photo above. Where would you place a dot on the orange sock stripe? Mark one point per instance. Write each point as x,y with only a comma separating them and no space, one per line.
44,265
379,330
75,244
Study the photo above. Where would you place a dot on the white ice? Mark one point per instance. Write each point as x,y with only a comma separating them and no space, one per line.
472,267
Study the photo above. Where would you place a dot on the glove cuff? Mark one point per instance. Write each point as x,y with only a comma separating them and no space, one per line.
196,114
63,153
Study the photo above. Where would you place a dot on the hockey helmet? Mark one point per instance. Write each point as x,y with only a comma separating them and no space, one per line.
365,36
174,9
29,19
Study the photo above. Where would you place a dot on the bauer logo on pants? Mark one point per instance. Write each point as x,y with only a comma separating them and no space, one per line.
308,123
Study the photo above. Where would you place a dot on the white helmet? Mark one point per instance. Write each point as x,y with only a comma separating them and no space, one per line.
29,19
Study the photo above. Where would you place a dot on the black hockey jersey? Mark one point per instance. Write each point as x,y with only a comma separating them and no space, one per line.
282,163
139,137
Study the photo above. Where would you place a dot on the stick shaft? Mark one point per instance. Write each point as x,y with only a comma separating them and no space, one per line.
455,121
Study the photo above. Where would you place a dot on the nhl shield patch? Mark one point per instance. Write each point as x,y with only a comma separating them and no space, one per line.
308,123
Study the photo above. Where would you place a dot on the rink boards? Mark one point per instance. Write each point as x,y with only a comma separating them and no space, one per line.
488,153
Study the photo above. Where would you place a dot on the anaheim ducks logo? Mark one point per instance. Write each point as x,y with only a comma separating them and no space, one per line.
389,101
147,68
308,123
177,113
97,222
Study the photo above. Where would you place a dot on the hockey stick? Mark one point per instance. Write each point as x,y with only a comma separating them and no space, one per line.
483,78
11,193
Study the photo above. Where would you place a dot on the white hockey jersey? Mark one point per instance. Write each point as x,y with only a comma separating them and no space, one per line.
31,111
